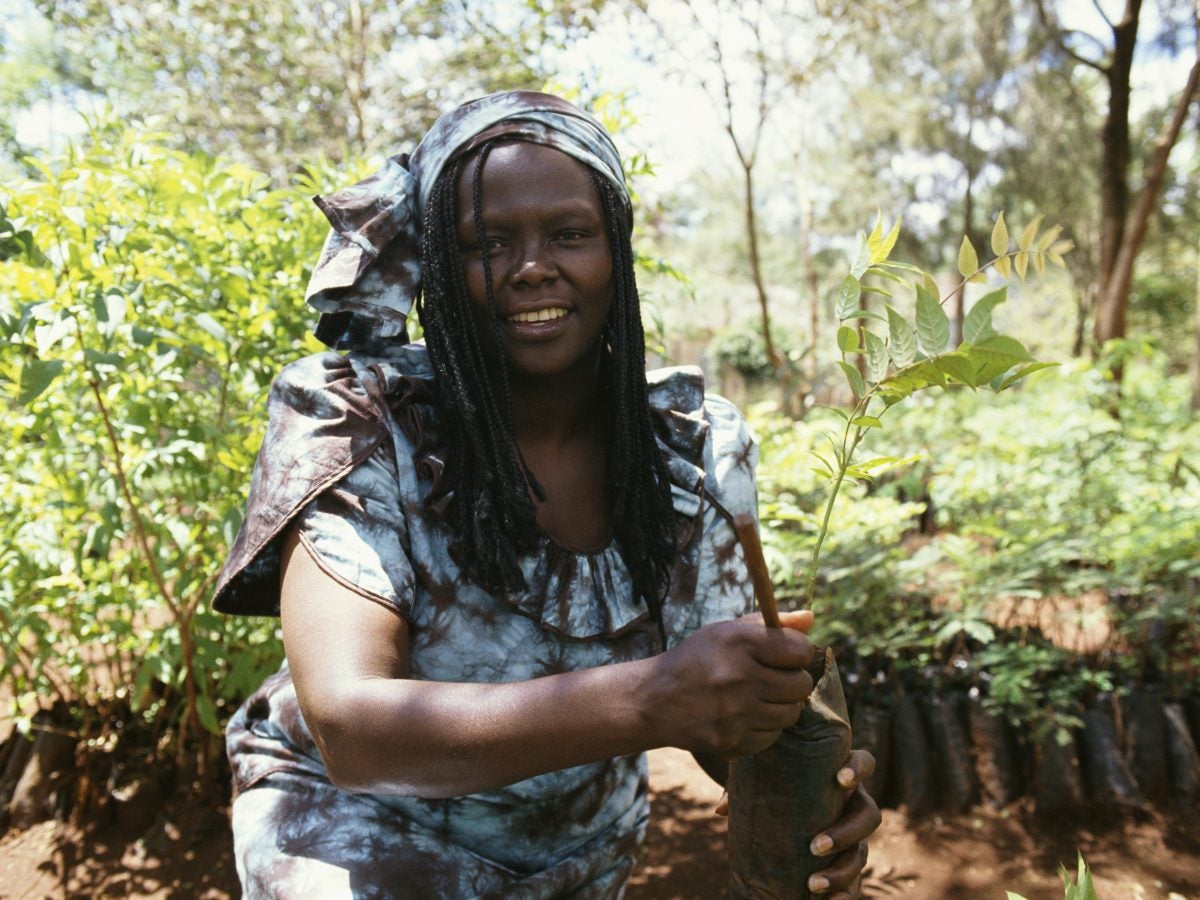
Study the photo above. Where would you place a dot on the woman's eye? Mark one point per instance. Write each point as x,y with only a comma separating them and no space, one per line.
571,234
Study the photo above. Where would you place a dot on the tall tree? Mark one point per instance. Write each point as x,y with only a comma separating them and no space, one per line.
755,59
282,79
1124,214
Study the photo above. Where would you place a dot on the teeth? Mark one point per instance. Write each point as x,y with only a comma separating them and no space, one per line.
540,315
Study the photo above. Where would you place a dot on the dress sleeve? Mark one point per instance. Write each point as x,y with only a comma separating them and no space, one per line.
324,419
358,534
723,588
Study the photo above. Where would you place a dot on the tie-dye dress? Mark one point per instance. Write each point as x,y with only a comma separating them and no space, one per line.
352,455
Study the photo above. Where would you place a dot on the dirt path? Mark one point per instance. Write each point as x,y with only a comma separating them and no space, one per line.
975,856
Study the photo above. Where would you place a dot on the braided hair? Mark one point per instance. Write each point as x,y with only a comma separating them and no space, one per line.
491,511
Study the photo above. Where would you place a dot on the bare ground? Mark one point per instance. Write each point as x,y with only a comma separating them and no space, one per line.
187,853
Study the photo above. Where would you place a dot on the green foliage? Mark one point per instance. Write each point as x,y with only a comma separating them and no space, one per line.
1081,888
147,298
897,366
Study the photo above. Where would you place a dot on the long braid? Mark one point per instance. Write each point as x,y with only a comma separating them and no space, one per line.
490,512
643,517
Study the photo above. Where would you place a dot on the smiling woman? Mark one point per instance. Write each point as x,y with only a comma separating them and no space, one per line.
503,560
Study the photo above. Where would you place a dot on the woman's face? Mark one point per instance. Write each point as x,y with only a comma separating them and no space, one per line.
547,245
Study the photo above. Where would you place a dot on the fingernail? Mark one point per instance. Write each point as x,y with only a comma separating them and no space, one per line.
818,883
845,777
821,844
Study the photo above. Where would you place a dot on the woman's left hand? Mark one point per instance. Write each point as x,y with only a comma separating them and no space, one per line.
844,843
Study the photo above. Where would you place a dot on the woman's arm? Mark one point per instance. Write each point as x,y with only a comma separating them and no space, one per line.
729,690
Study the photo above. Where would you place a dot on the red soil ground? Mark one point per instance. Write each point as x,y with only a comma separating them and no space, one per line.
187,854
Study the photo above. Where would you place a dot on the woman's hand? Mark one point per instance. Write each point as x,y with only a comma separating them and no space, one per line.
845,842
732,687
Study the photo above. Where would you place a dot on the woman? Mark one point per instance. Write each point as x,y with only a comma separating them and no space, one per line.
502,559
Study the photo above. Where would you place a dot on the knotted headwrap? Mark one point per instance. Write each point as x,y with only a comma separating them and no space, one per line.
369,272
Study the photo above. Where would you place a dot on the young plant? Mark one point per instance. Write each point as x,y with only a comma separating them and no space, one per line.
915,354
1081,888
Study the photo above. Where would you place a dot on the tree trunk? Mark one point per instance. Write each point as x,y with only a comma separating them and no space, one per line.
756,266
1195,367
814,298
1114,299
1114,171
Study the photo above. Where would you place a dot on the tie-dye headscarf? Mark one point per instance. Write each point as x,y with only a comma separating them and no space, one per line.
369,272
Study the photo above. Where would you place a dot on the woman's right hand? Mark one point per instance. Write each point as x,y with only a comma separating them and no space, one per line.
732,687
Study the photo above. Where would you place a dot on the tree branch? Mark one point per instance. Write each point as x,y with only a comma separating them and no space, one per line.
1059,35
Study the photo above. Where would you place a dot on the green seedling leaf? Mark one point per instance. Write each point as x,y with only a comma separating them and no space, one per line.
825,468
978,324
875,238
881,246
1023,372
1021,262
995,356
884,273
877,357
968,259
847,340
902,340
931,286
868,289
1047,240
1003,266
999,238
36,376
933,325
1029,233
866,422
848,297
862,260
958,367
864,314
854,378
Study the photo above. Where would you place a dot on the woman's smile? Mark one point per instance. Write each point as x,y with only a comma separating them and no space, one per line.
544,243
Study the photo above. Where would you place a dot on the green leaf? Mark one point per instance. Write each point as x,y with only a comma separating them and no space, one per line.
968,259
848,296
1047,240
1003,266
933,325
1023,372
958,367
999,237
854,378
881,247
877,357
902,339
1012,896
862,260
1029,234
978,323
866,422
847,340
884,273
211,326
36,376
875,238
1021,262
864,314
995,356
999,343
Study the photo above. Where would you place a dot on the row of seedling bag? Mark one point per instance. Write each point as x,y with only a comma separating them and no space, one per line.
939,745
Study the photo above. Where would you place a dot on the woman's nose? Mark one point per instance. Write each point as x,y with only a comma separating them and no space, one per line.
535,265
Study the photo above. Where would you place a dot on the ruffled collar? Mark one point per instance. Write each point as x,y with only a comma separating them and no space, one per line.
577,595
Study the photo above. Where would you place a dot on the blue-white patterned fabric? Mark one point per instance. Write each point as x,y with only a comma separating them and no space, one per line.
366,430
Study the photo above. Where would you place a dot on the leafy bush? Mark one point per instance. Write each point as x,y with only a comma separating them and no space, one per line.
147,298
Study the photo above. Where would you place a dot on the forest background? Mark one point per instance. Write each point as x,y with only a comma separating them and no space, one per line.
1041,548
